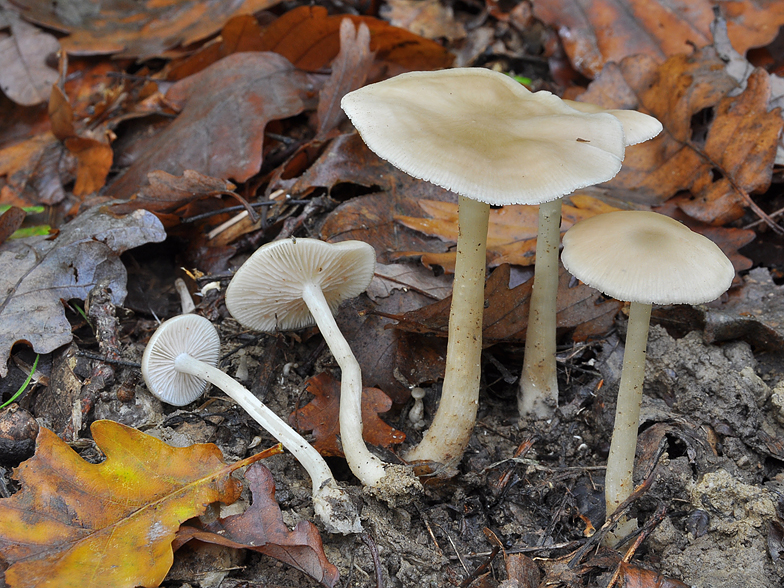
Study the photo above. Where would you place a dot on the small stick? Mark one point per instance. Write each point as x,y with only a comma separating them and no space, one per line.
371,545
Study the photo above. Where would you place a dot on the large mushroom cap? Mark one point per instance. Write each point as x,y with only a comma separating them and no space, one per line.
187,333
646,257
483,135
266,292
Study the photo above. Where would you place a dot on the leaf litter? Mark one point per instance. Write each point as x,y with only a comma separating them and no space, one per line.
171,136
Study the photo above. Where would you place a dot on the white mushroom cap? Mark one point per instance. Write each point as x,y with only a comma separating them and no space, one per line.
266,292
188,333
483,135
637,127
646,257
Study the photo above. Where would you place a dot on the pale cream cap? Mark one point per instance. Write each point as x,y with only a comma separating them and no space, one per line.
637,127
266,292
188,333
485,136
646,257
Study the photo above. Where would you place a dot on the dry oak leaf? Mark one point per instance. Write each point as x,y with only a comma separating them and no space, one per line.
595,32
225,109
511,233
25,76
261,528
579,307
77,524
427,18
309,37
737,151
320,415
10,221
137,29
37,272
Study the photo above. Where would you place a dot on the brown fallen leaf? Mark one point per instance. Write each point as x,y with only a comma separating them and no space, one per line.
10,221
74,523
309,37
427,18
165,193
93,162
320,415
61,114
33,171
632,576
595,32
37,272
139,29
579,307
26,76
350,69
511,233
213,135
261,528
739,145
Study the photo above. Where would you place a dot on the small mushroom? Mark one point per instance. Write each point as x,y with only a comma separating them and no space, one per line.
486,137
642,258
294,283
178,362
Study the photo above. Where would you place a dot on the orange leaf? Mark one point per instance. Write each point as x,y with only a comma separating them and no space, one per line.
77,524
511,233
94,160
309,37
320,415
32,171
10,221
261,528
739,148
595,32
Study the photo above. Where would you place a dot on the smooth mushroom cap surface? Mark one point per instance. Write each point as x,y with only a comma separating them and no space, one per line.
646,257
485,136
187,333
637,127
266,292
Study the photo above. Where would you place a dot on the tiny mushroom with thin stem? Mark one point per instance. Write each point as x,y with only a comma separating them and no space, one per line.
642,258
178,363
295,283
486,137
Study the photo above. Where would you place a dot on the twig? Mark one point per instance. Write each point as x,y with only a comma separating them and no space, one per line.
650,524
104,359
764,217
779,212
481,569
371,545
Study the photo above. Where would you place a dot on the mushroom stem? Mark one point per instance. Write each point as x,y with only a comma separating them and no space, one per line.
538,392
326,493
365,466
619,483
454,421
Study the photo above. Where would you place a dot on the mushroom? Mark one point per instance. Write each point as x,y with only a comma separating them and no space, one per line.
537,394
178,362
486,137
642,258
294,283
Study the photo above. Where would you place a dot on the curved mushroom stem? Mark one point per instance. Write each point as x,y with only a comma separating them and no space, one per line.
338,518
619,483
538,392
454,421
365,466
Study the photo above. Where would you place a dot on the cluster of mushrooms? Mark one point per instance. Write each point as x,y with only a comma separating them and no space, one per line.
487,138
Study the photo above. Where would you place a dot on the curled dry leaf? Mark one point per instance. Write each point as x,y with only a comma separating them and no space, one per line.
32,169
261,528
428,18
10,221
74,523
138,29
320,415
655,28
225,110
36,273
